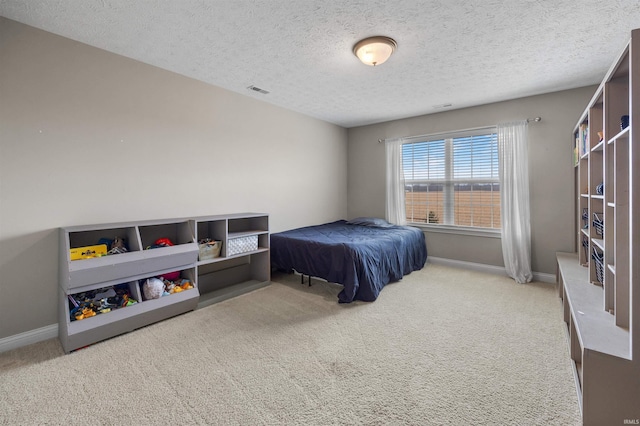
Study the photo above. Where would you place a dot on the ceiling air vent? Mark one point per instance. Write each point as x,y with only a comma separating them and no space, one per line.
257,89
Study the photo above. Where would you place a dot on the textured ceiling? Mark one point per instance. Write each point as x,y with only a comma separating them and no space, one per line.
459,52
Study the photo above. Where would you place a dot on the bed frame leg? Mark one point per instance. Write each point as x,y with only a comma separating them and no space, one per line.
302,279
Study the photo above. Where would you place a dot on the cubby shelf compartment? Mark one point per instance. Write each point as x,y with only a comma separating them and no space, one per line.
78,334
233,274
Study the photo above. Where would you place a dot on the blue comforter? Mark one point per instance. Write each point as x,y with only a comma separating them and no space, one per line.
362,258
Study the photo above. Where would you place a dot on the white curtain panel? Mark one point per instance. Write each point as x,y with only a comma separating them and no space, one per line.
395,210
514,200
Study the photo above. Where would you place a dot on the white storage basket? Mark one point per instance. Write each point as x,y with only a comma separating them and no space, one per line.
242,245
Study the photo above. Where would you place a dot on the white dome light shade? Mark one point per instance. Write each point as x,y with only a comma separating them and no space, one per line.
374,50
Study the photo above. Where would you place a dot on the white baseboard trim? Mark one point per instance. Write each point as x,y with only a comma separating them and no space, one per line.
480,267
28,337
543,277
490,269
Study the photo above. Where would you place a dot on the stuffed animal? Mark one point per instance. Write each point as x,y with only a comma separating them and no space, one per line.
118,246
153,288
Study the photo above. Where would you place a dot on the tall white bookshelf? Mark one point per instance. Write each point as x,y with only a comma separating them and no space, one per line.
600,285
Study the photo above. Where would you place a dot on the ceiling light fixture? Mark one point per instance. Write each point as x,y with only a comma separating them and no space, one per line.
374,50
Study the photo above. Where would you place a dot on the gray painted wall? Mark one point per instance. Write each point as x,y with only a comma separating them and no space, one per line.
92,137
551,174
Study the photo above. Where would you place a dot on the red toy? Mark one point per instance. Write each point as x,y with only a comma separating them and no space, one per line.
163,242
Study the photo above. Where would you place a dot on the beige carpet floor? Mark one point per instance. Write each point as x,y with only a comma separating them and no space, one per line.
441,347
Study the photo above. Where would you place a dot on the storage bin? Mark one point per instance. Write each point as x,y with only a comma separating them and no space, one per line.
242,245
209,249
598,223
598,260
585,246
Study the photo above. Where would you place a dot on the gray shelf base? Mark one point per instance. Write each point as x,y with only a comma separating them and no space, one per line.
229,292
595,327
607,378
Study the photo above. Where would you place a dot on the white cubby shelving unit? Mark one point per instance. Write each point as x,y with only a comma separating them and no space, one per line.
600,285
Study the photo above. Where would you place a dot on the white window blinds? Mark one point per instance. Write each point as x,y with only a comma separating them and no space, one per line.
453,180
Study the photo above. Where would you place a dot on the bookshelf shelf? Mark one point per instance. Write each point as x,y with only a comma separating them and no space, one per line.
598,243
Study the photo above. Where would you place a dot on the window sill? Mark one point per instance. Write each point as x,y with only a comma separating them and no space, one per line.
459,230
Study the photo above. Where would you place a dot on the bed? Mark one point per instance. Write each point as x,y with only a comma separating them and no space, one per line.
363,254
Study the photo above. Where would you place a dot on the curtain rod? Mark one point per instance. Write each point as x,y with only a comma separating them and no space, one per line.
529,120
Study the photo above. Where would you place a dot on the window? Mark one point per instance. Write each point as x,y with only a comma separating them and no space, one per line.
453,180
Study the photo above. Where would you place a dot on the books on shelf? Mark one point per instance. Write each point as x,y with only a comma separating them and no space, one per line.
583,139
